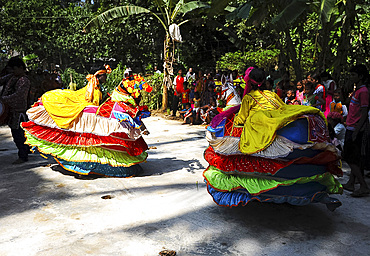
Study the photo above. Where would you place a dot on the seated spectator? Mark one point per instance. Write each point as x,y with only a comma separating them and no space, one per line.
210,111
187,113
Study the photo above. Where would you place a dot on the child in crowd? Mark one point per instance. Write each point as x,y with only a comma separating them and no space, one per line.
319,91
299,94
290,97
196,110
210,112
336,105
330,87
191,93
187,112
337,130
185,95
314,100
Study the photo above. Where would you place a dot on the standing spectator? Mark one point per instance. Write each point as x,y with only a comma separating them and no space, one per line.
330,87
156,70
178,89
190,75
337,106
299,94
284,84
57,77
208,84
319,91
314,100
356,119
269,84
15,95
197,111
191,93
185,95
199,82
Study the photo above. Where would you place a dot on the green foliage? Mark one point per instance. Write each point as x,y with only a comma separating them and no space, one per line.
153,99
240,61
77,78
262,58
232,61
114,13
113,80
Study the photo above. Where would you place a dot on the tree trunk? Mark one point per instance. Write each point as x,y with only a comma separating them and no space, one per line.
168,52
293,56
344,45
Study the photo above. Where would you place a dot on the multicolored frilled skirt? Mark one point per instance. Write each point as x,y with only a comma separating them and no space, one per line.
103,140
297,168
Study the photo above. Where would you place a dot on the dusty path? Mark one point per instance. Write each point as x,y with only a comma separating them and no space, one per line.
44,211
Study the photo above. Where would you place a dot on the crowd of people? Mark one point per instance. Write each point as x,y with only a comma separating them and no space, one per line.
346,107
199,97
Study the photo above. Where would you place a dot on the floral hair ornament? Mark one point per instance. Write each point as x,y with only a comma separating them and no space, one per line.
136,85
94,82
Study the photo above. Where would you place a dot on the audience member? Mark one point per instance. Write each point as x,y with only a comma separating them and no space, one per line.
178,89
336,105
356,119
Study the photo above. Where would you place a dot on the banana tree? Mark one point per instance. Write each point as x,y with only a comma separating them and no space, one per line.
171,16
283,16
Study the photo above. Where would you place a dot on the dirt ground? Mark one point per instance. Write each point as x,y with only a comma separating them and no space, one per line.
47,211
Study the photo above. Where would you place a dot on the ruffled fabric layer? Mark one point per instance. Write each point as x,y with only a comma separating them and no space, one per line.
116,141
257,185
102,169
297,167
242,197
251,164
85,123
87,155
103,140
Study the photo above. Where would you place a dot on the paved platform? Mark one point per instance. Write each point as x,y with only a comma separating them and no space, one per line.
47,211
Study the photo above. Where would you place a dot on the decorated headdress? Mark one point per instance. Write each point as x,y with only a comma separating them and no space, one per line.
136,85
94,82
249,81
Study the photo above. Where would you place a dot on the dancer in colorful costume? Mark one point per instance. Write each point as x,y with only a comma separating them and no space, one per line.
268,151
86,138
227,96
